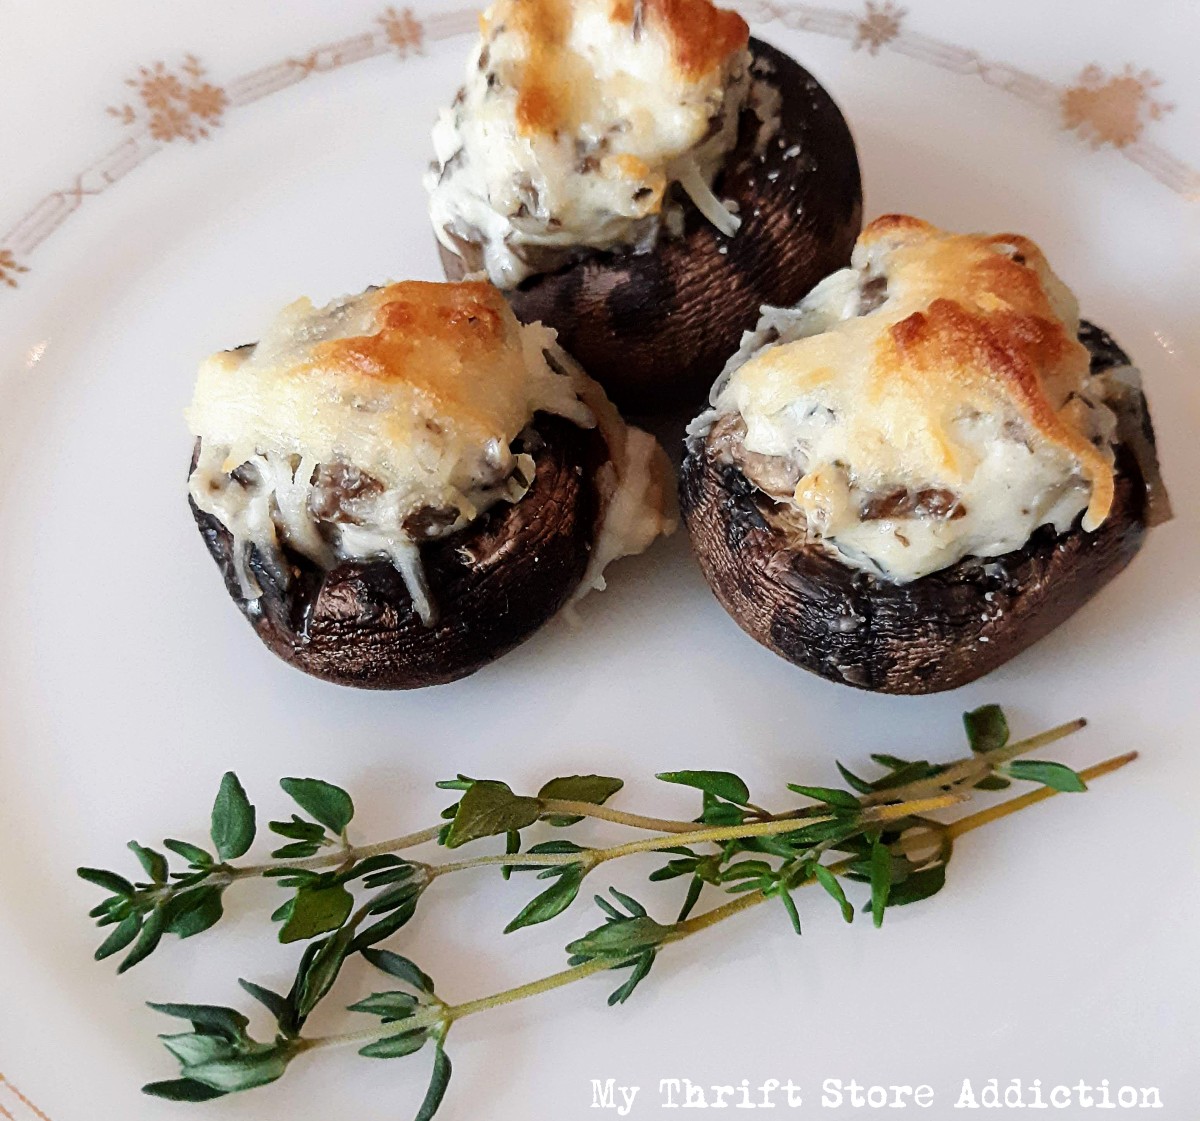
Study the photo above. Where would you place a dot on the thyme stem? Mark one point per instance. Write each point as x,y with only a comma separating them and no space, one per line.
447,1014
1015,805
693,836
334,859
563,806
768,828
971,770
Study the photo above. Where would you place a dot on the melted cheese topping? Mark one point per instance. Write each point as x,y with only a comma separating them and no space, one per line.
358,430
929,403
575,118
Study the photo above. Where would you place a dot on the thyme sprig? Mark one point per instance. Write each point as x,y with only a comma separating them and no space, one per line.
345,899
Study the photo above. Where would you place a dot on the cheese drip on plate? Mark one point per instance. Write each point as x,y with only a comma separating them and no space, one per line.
575,118
358,430
929,403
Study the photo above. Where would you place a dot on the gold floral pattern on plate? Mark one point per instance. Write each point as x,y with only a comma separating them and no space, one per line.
1106,110
403,30
181,105
878,26
9,267
1112,108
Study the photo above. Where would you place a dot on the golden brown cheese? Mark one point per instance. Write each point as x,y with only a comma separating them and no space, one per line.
998,334
361,429
456,348
407,382
701,38
928,403
574,120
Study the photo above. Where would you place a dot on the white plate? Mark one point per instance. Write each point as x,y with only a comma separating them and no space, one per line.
1064,947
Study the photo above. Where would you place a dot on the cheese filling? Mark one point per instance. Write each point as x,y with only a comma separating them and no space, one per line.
929,403
360,430
575,120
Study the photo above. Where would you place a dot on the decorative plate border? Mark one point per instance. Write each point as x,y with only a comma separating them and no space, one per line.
11,1099
169,105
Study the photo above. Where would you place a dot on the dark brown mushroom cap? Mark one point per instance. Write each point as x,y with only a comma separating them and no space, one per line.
939,632
655,328
493,583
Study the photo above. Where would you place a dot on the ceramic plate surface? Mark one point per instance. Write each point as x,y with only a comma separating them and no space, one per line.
176,173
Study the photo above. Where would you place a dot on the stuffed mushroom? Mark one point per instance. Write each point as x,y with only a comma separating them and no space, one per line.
403,485
641,176
923,467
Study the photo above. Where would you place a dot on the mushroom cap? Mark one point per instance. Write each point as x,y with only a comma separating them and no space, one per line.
935,633
654,329
494,582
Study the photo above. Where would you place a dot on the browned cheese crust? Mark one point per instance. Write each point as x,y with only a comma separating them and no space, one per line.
655,328
936,633
700,35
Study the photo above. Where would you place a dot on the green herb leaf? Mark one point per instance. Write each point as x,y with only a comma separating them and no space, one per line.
691,899
328,804
608,908
720,784
881,880
785,897
673,869
512,846
193,854
296,850
316,911
488,808
917,886
832,885
394,896
375,864
620,939
640,968
1054,775
593,789
391,1006
628,902
992,782
297,829
192,912
182,1090
437,1086
400,967
839,798
385,927
242,1073
987,728
196,1048
110,881
233,825
396,1046
207,1018
911,772
153,862
123,933
553,901
744,869
720,813
389,876
147,941
317,972
112,909
274,1003
852,780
